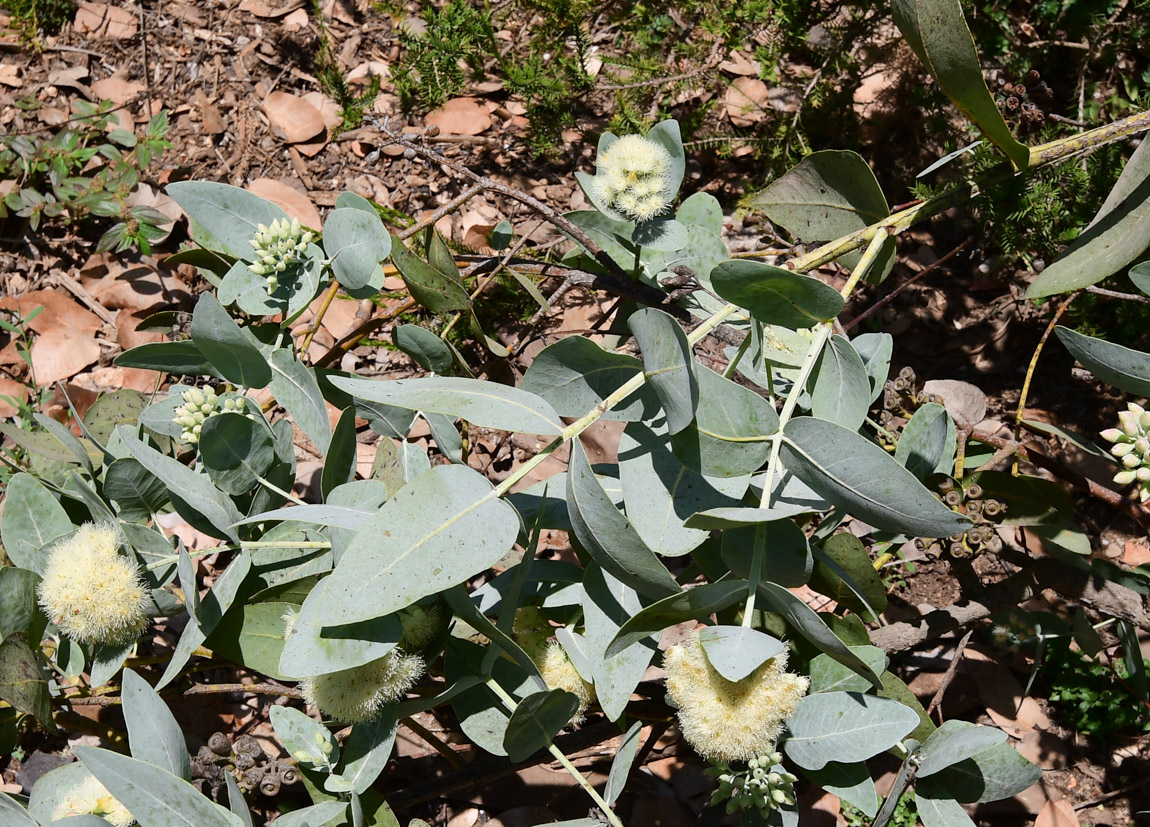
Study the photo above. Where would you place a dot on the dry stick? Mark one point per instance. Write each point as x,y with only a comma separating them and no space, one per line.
1114,294
1030,370
245,688
435,742
328,298
921,274
363,331
452,205
951,671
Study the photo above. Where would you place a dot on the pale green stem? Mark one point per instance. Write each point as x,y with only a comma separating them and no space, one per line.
558,755
275,488
243,544
730,371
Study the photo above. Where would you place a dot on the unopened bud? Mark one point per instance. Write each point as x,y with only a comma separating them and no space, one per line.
1125,477
1131,460
1123,448
1112,435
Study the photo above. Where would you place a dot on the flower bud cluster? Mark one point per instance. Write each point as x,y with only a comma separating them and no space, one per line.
278,248
1131,445
634,177
763,785
359,694
199,405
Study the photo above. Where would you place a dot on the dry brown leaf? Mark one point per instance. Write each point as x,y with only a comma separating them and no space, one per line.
1002,694
102,20
292,119
15,390
213,122
62,352
296,21
461,116
271,8
59,310
363,73
339,10
1135,554
739,64
326,107
744,102
965,403
117,90
293,202
10,75
70,77
1057,814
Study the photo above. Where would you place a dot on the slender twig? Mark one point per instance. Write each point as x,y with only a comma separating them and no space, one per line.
328,298
435,742
452,205
245,689
948,676
1114,294
921,274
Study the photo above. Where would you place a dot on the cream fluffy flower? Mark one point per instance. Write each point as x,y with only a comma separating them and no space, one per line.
559,673
634,177
725,720
358,694
90,797
91,592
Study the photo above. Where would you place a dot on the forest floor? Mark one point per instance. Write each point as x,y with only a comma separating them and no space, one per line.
238,82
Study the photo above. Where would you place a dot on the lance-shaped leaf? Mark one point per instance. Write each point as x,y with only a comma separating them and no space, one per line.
224,218
621,765
661,492
607,535
991,775
575,375
1125,369
1117,236
862,479
295,387
155,798
774,295
668,364
728,437
193,495
607,605
232,350
953,742
936,30
181,358
845,727
438,530
436,290
928,442
830,194
356,242
153,734
487,404
365,753
691,604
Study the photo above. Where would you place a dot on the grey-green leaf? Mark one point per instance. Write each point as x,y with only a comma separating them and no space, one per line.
774,295
928,442
864,480
32,519
423,346
137,491
536,720
936,808
295,387
1125,369
438,530
356,242
936,31
439,292
691,604
736,651
621,764
828,675
487,404
311,649
305,739
668,364
575,374
850,782
224,218
236,451
991,775
366,750
841,390
607,535
232,350
155,797
845,727
1117,236
153,734
955,741
830,194
607,604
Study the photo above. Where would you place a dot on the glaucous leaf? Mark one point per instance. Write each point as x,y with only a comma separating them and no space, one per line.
875,350
786,551
775,295
991,775
845,727
438,530
736,651
305,739
728,437
850,782
1125,369
224,218
621,763
179,358
864,480
928,443
607,604
955,741
840,387
936,31
487,404
232,350
575,374
314,649
845,573
427,349
438,291
690,604
317,815
295,387
1116,236
366,750
828,675
252,635
663,234
236,451
668,364
33,519
153,734
356,242
537,719
19,611
936,807
23,684
136,491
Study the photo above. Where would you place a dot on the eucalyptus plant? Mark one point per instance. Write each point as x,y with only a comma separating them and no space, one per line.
418,586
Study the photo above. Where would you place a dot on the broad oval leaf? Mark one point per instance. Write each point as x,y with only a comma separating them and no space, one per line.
236,451
224,218
232,350
737,651
439,292
23,682
155,798
311,649
32,519
153,734
729,435
253,634
306,740
137,491
829,194
356,242
181,358
690,604
438,530
785,549
841,389
991,775
487,404
575,374
1117,235
608,536
424,347
845,727
936,806
928,442
936,31
850,782
1125,369
536,720
828,675
608,603
664,234
955,741
774,295
668,364
864,480
366,750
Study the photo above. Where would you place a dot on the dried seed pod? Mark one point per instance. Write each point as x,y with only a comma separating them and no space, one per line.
270,784
287,772
250,746
244,761
252,778
991,508
974,491
1013,103
952,498
946,485
219,744
1032,77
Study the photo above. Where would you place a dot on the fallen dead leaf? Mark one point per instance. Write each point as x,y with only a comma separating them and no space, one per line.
739,64
292,119
1135,554
10,75
1057,814
965,403
296,21
62,352
102,20
59,311
461,116
15,390
293,202
363,73
745,100
210,116
1004,697
328,108
270,8
117,90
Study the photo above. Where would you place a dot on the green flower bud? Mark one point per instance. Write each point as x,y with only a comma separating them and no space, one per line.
1131,460
1128,422
1125,477
1142,445
1122,449
1112,435
1142,474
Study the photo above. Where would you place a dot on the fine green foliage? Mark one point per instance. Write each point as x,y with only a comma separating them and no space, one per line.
1090,695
